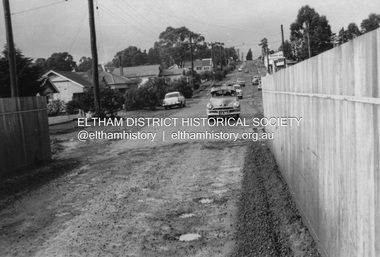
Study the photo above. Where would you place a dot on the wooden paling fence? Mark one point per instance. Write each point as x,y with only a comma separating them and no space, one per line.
331,161
24,133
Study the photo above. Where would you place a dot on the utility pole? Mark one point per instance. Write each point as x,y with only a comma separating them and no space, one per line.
94,53
192,61
11,49
308,38
283,49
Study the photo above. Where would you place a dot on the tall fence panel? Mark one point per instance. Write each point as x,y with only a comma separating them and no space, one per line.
331,160
24,133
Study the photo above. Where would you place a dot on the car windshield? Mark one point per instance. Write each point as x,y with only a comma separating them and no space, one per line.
223,93
172,95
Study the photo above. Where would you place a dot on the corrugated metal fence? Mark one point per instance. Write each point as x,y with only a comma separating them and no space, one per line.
24,132
331,161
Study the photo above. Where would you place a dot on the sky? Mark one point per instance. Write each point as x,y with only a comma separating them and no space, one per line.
44,27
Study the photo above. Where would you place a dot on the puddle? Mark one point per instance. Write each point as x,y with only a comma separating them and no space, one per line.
222,191
217,185
206,200
62,214
189,237
187,215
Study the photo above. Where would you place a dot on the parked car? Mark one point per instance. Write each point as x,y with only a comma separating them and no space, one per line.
240,70
223,103
256,80
239,91
241,82
173,99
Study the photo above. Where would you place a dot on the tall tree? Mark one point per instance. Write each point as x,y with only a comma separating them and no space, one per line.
372,23
353,31
60,61
312,30
174,45
28,75
131,56
249,55
287,51
85,64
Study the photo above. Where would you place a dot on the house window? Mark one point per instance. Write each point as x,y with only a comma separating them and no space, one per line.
198,68
206,68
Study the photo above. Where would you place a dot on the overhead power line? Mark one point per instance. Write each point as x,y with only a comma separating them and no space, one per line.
40,7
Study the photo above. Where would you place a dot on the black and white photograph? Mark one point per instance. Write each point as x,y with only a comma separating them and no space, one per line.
173,128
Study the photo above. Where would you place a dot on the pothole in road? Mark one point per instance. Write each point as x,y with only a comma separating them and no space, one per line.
189,237
206,200
217,184
222,191
187,215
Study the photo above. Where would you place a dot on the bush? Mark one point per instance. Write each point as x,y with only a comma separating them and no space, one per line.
219,75
149,95
182,87
55,107
206,75
110,100
73,106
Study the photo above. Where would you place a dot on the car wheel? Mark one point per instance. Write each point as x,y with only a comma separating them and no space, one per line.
237,116
184,104
166,107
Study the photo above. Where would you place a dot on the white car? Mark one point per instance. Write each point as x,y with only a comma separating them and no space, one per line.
238,90
173,99
240,69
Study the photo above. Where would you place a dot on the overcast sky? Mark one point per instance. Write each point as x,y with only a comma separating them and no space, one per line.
43,27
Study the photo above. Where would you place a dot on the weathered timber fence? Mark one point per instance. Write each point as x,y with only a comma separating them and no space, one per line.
331,161
24,133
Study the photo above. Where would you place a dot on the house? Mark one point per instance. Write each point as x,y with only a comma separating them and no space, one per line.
276,61
141,73
172,75
200,65
67,85
115,82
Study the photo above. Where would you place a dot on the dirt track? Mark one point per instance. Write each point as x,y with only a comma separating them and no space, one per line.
115,198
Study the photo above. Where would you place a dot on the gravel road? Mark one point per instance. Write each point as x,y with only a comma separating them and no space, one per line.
163,198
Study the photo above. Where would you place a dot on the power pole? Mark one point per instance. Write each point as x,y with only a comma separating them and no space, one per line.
192,62
308,38
283,49
94,53
11,49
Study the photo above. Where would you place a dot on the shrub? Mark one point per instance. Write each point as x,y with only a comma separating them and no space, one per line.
183,87
55,107
110,100
148,95
219,75
73,106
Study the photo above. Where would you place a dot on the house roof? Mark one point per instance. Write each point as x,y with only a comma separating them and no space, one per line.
138,71
74,77
48,85
171,72
199,63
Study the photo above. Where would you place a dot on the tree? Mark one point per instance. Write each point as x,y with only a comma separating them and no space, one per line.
110,100
41,62
28,75
353,31
85,64
60,61
249,55
310,29
372,23
287,51
174,45
131,56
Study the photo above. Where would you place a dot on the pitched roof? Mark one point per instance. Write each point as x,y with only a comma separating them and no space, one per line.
199,63
75,77
138,71
171,72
